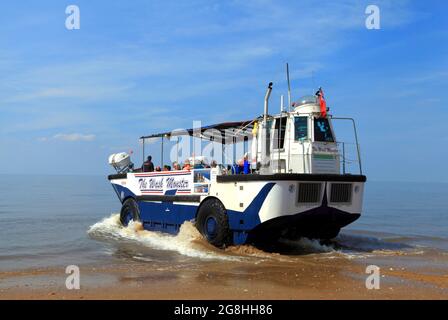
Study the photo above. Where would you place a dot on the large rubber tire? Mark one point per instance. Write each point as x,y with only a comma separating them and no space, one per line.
129,211
213,223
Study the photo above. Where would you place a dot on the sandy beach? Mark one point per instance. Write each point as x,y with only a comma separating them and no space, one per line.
308,277
224,150
131,263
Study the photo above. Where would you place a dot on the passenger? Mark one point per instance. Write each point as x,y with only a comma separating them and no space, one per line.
243,159
148,166
177,167
243,164
186,165
199,165
214,164
246,166
166,168
158,169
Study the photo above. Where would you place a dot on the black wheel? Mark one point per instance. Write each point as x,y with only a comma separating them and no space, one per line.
213,224
129,211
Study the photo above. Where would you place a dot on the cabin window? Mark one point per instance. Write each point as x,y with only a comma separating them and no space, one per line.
322,130
280,127
300,128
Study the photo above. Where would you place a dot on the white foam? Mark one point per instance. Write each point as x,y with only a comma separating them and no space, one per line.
350,247
188,241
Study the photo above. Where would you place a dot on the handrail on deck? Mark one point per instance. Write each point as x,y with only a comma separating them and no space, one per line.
356,138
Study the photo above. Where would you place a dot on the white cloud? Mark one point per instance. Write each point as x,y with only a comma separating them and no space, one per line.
194,57
74,137
87,91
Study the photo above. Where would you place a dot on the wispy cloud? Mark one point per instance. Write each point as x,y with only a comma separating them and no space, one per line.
151,66
70,137
258,31
80,92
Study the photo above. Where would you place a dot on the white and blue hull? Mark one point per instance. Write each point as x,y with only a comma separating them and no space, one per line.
259,208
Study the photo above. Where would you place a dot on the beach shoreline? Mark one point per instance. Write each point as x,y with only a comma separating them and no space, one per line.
308,280
409,246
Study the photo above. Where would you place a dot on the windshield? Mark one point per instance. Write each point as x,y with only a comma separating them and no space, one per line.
322,130
300,128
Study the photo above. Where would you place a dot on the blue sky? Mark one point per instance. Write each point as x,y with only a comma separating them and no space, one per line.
68,99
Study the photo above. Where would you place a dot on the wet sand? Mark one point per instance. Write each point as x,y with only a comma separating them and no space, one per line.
308,277
149,265
403,231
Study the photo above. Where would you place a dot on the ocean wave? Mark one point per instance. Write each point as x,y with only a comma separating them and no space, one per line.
360,246
188,242
349,246
368,243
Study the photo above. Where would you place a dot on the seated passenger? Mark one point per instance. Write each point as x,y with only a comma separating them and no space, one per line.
158,169
176,166
199,165
243,164
148,166
186,165
241,161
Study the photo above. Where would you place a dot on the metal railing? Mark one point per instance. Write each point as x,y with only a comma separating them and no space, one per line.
356,139
349,157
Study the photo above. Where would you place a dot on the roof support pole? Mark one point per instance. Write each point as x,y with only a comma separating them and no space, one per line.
222,153
234,150
143,151
161,157
177,150
245,142
212,141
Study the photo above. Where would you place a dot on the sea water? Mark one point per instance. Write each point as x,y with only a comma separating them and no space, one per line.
55,221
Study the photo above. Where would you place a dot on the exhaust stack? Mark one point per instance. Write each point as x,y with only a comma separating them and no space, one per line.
265,142
266,101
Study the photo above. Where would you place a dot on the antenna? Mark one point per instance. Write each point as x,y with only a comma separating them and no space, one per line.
289,87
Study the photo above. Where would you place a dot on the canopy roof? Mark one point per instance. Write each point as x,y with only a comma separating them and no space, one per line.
235,129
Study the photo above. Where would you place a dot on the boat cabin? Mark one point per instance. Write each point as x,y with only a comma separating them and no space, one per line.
301,140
